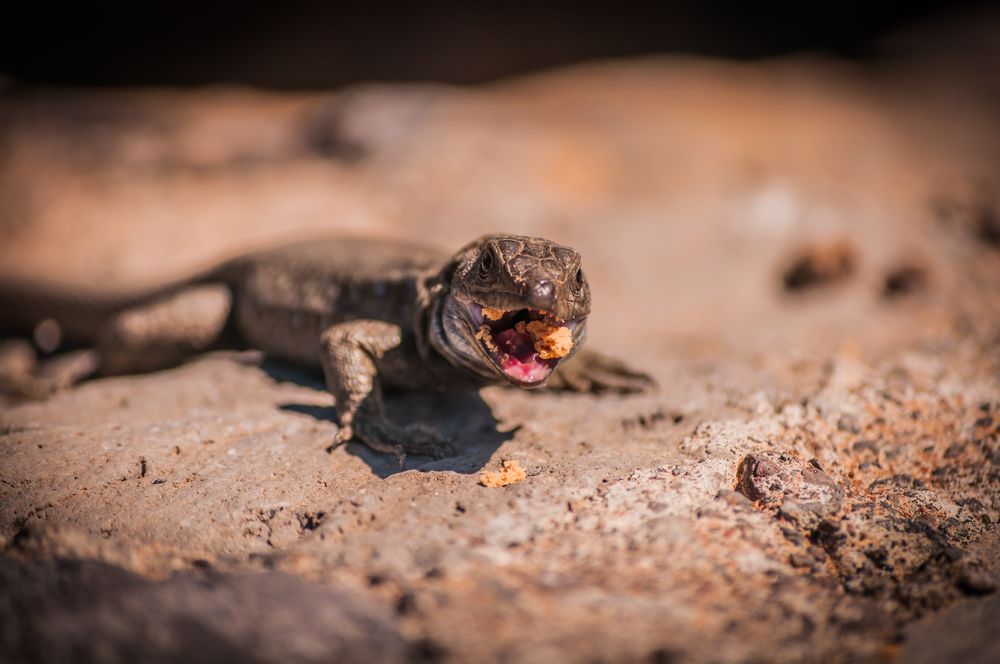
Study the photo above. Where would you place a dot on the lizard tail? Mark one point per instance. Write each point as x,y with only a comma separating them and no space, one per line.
78,310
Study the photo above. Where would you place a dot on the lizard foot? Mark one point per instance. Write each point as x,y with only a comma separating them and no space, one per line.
22,375
343,436
592,372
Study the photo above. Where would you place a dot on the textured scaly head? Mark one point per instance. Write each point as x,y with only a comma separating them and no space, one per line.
514,307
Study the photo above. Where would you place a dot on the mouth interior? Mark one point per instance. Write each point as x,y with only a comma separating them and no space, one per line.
511,346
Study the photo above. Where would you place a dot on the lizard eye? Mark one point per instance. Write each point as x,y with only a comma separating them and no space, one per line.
579,278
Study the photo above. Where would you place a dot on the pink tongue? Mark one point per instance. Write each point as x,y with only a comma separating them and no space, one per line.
521,360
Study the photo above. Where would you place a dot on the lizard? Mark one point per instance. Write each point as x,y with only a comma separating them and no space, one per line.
371,313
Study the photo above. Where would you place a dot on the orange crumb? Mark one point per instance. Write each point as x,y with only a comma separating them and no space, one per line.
550,342
511,473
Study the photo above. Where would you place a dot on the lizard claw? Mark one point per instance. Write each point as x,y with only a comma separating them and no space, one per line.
345,434
342,437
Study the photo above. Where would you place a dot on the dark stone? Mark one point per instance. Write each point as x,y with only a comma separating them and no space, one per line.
827,535
865,446
900,481
81,610
801,560
903,280
819,265
965,632
974,580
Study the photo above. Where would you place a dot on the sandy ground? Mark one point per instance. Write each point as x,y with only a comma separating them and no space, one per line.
804,254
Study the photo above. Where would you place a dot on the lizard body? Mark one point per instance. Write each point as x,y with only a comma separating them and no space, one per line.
369,313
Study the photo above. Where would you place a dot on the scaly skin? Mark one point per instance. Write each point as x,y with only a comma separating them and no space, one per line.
370,313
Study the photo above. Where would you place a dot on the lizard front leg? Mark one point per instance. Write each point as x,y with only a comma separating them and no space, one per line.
349,352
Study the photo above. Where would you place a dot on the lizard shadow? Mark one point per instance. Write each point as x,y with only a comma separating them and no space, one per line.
461,417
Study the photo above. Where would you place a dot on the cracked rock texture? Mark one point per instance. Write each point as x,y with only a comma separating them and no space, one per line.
803,255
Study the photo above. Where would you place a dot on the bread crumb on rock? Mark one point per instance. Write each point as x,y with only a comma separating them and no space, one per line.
510,473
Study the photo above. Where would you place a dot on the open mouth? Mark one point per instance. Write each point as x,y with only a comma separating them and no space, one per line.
524,344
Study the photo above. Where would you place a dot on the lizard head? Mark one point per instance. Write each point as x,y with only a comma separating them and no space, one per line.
513,307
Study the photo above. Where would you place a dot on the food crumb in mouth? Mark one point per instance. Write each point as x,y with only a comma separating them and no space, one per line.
550,341
486,336
510,473
493,314
527,351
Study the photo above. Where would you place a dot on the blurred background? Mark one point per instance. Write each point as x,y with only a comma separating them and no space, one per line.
706,153
700,149
321,45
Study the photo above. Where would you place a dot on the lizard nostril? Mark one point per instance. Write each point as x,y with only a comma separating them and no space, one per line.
542,295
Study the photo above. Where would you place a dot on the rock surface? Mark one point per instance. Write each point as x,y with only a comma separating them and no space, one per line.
819,469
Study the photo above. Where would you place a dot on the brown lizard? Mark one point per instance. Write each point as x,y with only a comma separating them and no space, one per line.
370,313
